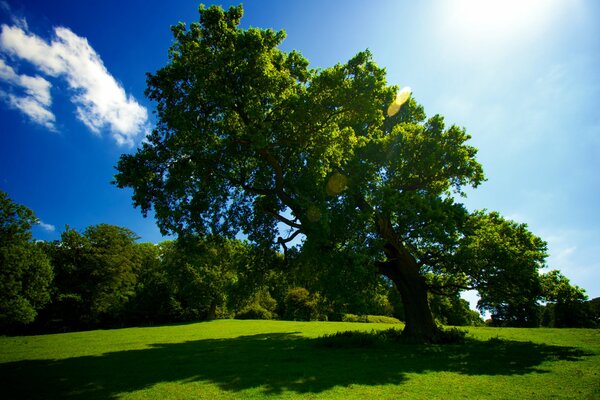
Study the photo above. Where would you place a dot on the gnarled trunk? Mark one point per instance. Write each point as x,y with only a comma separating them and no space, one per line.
402,269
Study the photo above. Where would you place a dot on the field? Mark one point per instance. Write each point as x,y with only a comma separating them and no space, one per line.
233,359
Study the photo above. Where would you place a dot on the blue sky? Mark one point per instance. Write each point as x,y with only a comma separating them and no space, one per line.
522,76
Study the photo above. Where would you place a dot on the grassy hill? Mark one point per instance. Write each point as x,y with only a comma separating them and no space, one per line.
235,359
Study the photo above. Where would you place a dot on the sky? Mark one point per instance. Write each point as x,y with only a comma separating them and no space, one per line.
522,76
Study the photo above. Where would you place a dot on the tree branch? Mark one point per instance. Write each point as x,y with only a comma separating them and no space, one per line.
283,219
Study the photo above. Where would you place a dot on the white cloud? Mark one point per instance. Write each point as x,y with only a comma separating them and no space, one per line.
35,102
47,227
100,101
33,109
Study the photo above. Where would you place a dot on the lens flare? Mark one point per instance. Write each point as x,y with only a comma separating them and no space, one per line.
313,214
401,98
336,184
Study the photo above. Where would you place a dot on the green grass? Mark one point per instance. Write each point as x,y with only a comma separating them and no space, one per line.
278,359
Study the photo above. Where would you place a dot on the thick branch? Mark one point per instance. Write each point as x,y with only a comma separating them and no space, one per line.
283,241
283,219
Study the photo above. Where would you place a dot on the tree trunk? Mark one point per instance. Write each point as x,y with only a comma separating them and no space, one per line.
212,311
403,270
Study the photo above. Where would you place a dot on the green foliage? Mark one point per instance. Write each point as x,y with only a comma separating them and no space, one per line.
567,305
358,339
452,310
594,307
378,319
249,137
300,305
96,275
254,311
25,271
502,259
261,306
153,301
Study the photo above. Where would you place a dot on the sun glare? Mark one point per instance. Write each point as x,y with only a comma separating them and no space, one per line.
499,19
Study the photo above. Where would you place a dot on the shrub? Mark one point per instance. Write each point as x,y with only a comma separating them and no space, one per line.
354,339
451,336
254,311
381,319
300,305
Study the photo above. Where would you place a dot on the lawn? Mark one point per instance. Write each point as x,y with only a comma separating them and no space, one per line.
234,359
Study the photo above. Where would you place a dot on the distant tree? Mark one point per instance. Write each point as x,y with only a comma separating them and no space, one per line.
96,274
153,301
594,307
567,306
453,310
502,260
201,270
25,271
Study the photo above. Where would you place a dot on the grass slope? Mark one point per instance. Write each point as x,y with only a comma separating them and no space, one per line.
279,359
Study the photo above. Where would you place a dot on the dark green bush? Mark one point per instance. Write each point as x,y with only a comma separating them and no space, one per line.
381,319
254,311
300,305
357,339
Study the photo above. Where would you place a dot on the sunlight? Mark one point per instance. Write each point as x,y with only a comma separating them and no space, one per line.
481,20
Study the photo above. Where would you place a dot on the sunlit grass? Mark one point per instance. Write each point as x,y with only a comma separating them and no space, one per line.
279,359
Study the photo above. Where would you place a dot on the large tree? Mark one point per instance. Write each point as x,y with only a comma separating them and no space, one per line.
249,138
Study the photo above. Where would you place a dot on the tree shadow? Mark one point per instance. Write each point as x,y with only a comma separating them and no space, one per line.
273,363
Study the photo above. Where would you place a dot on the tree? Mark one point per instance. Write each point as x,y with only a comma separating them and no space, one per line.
96,274
452,310
567,305
248,137
153,302
201,270
25,271
502,259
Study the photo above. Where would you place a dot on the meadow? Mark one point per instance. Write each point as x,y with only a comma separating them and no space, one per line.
232,359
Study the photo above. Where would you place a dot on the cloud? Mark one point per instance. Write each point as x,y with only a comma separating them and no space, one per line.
100,101
36,100
47,227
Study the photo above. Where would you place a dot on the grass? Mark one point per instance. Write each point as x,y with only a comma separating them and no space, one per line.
235,359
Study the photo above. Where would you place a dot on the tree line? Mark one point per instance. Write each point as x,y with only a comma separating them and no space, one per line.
102,277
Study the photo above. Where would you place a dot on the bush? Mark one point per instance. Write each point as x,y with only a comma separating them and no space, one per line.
451,336
254,311
300,305
354,339
378,319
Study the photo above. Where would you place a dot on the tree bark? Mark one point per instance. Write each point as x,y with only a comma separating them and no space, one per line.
402,268
420,326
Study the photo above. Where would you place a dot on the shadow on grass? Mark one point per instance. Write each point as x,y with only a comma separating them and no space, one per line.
275,363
